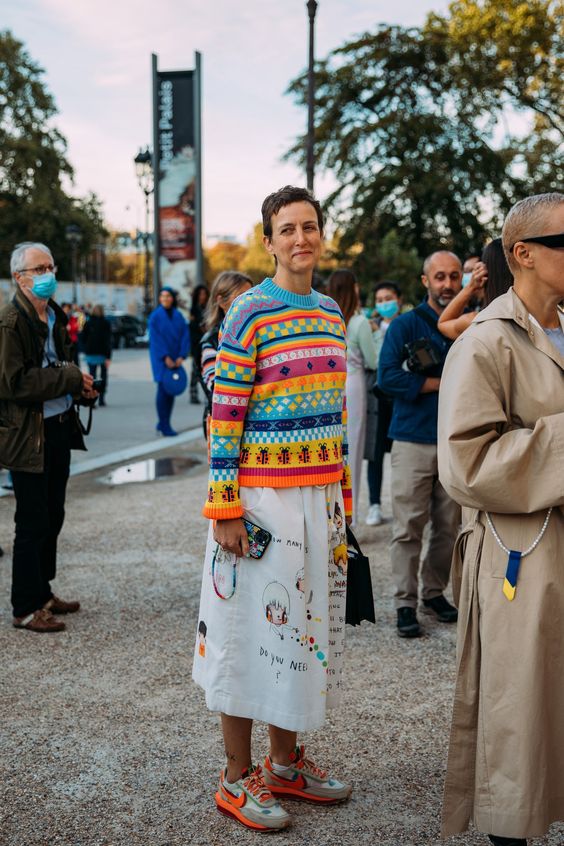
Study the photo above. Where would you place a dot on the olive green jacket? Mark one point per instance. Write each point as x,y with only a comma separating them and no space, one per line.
25,384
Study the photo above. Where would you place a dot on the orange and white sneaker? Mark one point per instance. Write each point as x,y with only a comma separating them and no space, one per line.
250,802
302,779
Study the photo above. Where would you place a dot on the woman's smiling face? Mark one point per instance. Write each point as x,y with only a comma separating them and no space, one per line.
296,238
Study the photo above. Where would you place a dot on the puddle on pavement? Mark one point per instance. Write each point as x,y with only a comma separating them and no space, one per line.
150,470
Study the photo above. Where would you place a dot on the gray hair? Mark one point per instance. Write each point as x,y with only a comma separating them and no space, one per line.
17,259
527,219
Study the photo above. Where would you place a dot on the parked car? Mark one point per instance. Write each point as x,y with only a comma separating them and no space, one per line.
125,329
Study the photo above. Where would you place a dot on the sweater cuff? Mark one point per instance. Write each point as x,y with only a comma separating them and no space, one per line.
223,502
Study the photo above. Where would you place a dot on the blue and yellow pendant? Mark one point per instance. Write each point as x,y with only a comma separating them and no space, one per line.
511,574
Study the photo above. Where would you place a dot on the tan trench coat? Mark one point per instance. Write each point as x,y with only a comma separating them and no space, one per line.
501,450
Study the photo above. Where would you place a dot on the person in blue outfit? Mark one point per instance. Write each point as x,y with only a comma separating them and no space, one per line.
169,344
409,371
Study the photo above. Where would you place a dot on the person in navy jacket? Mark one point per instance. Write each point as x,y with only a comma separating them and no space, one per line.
169,344
417,494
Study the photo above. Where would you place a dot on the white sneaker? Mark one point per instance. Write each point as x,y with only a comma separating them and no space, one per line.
250,802
374,516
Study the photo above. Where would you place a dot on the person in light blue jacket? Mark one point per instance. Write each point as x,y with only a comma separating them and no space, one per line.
169,344
361,356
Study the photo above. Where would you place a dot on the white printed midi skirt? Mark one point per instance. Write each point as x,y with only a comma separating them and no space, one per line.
273,650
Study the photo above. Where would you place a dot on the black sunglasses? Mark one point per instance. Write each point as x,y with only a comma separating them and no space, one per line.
553,242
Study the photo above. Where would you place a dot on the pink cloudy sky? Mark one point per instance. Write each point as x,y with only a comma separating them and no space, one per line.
96,54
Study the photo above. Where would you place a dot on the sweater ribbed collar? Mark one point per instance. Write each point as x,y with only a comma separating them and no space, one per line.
306,301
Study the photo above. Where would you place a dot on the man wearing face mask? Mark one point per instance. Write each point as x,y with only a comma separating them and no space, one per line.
38,428
387,297
410,368
467,268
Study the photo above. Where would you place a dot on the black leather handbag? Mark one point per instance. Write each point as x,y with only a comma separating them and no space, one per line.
360,600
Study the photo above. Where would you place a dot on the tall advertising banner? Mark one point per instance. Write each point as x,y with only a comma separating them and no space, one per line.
177,180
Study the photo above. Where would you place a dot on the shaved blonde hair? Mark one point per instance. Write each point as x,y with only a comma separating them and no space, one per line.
527,219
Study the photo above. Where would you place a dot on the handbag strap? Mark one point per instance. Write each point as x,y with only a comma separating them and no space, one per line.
352,541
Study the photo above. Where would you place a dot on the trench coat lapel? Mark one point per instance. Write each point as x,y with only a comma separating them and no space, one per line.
510,307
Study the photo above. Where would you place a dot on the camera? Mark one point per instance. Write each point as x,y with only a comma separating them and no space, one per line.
421,356
98,384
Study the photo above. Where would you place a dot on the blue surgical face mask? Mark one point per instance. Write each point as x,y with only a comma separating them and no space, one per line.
44,286
387,309
466,279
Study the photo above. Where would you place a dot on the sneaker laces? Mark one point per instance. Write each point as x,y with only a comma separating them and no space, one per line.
254,784
302,763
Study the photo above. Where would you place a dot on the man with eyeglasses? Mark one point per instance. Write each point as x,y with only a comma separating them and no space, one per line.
501,456
38,428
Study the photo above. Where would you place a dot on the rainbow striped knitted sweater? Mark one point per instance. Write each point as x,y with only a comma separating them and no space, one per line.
278,415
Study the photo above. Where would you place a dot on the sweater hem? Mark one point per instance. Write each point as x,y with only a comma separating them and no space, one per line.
290,481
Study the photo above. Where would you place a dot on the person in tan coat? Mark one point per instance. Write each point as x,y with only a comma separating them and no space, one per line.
501,456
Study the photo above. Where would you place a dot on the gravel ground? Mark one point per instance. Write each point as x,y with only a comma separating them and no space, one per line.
106,741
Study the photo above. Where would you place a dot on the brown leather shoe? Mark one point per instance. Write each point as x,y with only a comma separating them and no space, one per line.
40,621
59,606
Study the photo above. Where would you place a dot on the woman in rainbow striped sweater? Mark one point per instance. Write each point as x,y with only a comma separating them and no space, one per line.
272,647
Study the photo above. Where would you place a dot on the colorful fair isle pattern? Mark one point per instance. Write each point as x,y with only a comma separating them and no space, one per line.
278,416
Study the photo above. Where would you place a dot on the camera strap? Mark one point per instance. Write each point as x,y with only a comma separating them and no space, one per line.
84,429
423,313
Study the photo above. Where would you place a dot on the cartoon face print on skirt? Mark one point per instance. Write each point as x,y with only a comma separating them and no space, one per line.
276,604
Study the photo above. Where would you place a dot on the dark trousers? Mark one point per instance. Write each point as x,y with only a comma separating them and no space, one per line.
39,517
195,374
165,403
93,368
383,445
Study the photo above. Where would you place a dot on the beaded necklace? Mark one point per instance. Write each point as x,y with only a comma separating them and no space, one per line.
514,560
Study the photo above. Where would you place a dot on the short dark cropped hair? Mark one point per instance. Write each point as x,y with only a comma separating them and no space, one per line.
388,285
284,197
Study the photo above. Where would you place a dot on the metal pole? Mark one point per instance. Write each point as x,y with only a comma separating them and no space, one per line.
156,163
198,145
74,272
310,162
147,296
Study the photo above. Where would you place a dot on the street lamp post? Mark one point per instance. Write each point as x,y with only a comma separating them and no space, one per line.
73,234
144,171
311,10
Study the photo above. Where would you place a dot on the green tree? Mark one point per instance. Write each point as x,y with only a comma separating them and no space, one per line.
507,60
223,256
256,263
33,163
507,52
389,259
124,267
414,140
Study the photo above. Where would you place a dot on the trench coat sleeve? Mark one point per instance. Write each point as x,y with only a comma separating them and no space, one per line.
485,461
29,385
